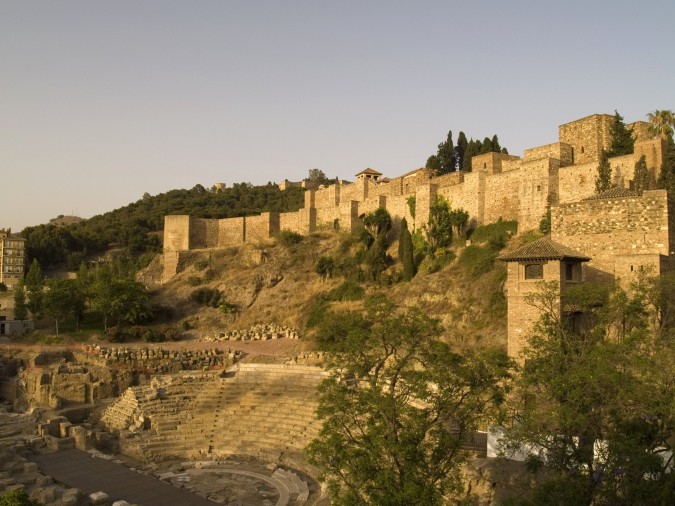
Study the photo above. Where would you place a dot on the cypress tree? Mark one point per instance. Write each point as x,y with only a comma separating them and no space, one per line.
446,155
622,139
460,150
641,179
603,180
20,308
405,252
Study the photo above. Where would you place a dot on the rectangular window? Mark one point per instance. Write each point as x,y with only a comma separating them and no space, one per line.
534,271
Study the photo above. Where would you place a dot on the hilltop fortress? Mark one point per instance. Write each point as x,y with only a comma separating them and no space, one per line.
498,186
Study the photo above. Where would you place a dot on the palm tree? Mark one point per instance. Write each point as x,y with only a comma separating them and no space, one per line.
662,123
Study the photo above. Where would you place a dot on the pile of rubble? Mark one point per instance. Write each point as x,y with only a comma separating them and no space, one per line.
258,332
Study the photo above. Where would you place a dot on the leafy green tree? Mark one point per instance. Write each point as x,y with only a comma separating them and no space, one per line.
642,178
412,205
433,163
603,181
439,227
20,306
405,252
398,408
34,284
378,222
64,297
597,399
459,219
376,258
622,139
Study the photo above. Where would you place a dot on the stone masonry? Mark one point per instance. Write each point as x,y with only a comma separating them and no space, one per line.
498,186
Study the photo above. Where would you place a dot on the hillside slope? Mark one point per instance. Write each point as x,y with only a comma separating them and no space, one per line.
272,283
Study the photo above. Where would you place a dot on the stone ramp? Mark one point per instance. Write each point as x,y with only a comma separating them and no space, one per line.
80,470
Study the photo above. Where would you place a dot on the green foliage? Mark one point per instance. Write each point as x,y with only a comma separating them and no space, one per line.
288,238
642,178
378,222
17,498
64,297
477,260
3,287
374,236
136,227
545,223
207,296
112,291
495,233
434,263
622,141
661,123
20,307
349,290
406,254
376,258
666,180
324,267
412,205
201,264
34,284
398,407
604,384
603,181
228,308
439,227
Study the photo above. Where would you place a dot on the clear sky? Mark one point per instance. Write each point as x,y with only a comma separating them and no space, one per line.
101,102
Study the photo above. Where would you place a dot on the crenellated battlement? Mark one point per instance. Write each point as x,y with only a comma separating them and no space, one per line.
498,186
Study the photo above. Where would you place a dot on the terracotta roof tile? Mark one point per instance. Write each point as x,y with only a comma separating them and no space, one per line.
543,249
614,193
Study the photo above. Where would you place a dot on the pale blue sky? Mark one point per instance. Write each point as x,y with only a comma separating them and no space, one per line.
103,101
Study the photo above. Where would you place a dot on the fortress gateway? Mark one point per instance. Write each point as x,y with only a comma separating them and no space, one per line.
613,233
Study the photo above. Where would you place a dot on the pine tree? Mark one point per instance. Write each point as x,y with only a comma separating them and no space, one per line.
623,142
471,151
405,252
603,180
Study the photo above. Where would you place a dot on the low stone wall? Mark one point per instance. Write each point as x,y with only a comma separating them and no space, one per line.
163,360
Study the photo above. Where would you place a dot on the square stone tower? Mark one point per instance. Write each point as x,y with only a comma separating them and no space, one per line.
540,260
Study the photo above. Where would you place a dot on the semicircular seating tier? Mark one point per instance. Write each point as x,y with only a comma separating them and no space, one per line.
262,410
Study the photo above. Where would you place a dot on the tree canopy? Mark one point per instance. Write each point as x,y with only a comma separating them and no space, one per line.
398,408
622,141
596,401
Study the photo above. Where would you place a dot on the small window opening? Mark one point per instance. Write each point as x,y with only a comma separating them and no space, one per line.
569,272
485,165
534,271
582,150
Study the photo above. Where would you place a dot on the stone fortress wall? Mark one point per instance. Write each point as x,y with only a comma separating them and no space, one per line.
498,186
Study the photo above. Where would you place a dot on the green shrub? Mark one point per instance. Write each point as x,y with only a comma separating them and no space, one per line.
201,264
289,238
194,280
494,233
228,308
317,311
17,497
434,263
325,267
349,290
477,260
207,296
